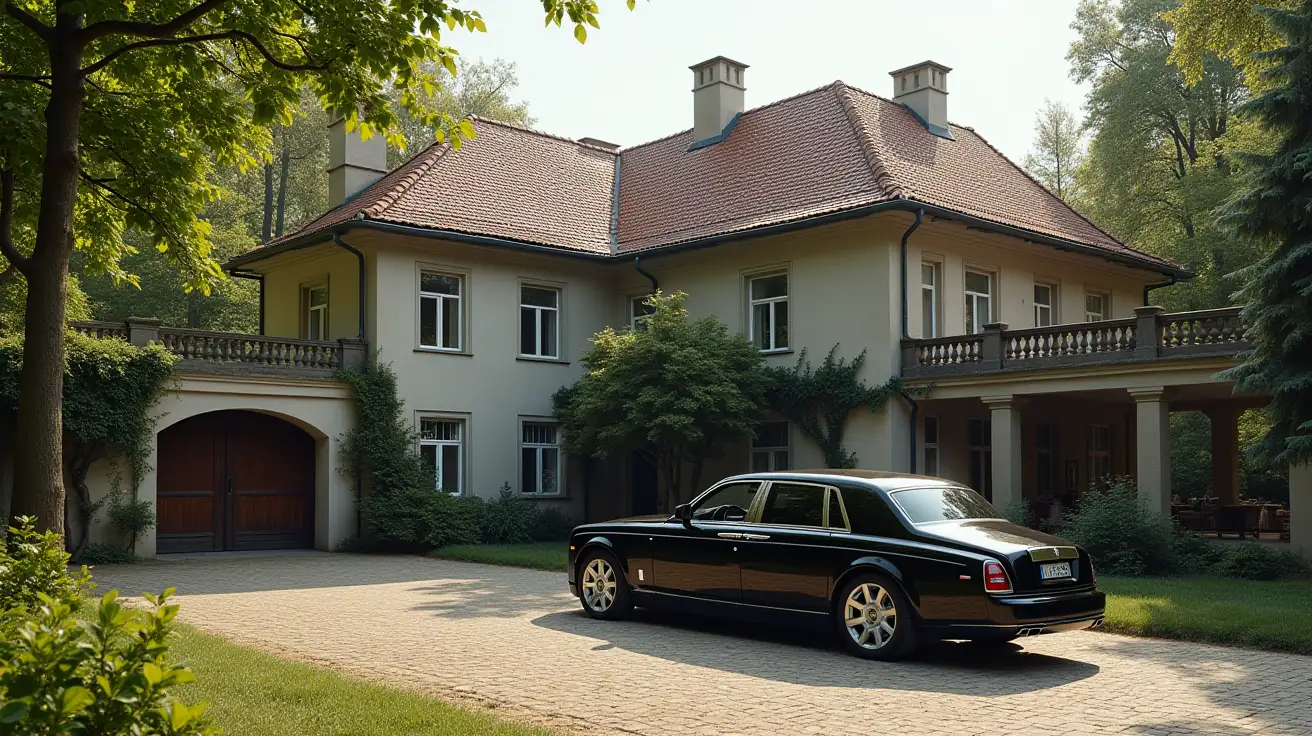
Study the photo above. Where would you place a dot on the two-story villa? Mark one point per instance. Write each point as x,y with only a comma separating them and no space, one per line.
832,217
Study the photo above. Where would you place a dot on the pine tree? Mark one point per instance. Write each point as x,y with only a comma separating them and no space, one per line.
1278,210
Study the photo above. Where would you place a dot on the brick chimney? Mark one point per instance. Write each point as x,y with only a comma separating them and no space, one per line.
353,163
923,89
717,96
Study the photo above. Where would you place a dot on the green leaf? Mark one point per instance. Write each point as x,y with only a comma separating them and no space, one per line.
75,699
581,33
179,716
152,673
13,712
467,129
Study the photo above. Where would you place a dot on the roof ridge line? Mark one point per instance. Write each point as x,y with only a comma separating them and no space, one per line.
540,133
883,177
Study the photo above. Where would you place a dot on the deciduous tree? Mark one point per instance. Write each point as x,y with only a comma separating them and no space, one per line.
114,116
1056,154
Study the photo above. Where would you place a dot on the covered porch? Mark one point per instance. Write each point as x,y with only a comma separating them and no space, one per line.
1042,418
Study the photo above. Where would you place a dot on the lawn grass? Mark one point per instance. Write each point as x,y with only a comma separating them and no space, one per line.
551,556
255,694
1262,615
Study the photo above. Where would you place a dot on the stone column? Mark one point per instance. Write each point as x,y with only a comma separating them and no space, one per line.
1153,447
993,349
1300,509
1147,339
143,331
1004,411
1225,452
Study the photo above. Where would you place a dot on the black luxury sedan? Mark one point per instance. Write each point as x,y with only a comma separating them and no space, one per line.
885,559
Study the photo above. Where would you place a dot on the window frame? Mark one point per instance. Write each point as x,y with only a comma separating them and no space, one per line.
638,322
972,298
752,508
1092,454
538,311
306,308
769,450
985,456
539,447
1050,307
752,303
754,515
461,300
935,328
462,445
1106,300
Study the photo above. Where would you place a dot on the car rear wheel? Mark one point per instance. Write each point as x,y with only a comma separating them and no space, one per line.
874,619
603,589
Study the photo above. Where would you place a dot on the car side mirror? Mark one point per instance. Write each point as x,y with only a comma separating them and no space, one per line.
683,512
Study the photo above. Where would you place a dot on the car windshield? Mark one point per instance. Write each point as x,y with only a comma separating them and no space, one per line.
943,503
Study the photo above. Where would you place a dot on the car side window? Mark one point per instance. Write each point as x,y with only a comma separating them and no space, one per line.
727,503
868,513
794,504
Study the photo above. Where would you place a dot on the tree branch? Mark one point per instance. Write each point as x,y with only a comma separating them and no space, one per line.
34,79
7,247
234,35
126,200
29,20
148,30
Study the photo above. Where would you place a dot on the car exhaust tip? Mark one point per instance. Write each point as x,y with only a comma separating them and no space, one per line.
1096,623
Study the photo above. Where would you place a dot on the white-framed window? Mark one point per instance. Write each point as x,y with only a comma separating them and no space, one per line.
931,445
315,299
1043,305
540,466
1100,453
770,447
442,447
768,311
979,301
979,442
1095,307
929,278
441,310
640,311
539,321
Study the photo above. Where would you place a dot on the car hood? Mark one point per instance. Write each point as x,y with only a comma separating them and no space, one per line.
995,535
648,519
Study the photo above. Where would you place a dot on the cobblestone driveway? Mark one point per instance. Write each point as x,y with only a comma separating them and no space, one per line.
514,639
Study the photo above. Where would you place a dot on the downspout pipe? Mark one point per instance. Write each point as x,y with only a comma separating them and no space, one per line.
254,277
359,258
906,330
637,263
1148,288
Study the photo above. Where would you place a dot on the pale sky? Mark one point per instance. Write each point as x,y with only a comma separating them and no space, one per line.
630,82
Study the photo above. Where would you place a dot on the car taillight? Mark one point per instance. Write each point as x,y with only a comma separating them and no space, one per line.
995,578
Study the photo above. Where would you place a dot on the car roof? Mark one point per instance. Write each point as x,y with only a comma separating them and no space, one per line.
881,479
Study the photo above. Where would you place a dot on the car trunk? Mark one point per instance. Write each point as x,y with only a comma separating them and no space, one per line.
1024,550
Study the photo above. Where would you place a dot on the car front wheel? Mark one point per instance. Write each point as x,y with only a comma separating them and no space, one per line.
603,589
874,619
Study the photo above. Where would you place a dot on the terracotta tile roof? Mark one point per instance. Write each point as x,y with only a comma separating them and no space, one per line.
823,151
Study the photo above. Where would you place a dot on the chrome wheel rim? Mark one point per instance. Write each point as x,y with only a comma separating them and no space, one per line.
870,616
599,585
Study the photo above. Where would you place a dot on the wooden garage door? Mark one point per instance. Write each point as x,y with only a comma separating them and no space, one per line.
234,480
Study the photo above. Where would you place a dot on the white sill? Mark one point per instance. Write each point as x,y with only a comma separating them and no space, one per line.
544,496
541,359
442,351
776,351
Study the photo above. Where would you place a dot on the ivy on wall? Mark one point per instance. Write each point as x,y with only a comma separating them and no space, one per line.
819,400
110,387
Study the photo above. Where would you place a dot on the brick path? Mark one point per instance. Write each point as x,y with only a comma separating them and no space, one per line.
514,639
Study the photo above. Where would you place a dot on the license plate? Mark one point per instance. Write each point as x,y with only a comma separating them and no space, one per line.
1055,570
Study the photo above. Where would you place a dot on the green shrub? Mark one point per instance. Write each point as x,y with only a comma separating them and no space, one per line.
107,675
1019,512
34,564
553,525
131,516
1253,561
1122,534
1195,554
510,519
103,553
451,520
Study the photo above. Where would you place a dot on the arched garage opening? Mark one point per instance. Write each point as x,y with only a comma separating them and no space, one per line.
234,480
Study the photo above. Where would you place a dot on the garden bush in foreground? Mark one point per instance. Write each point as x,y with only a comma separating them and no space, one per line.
1122,534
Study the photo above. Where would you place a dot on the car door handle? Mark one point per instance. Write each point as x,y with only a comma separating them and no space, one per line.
756,537
729,535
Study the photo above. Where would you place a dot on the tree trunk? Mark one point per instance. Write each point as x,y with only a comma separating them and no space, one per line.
267,232
282,184
38,462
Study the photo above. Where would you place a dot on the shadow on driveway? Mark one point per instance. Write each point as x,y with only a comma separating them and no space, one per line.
805,658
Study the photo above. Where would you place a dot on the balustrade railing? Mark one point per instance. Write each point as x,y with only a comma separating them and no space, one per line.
202,350
1149,335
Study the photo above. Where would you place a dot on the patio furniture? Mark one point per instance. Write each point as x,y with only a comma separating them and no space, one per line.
1282,519
1240,519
